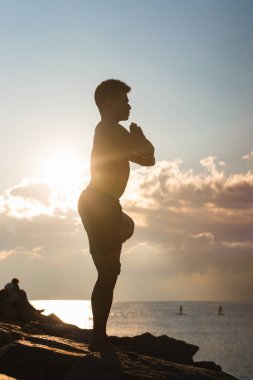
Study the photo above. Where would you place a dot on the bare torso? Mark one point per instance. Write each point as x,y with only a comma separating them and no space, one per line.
109,160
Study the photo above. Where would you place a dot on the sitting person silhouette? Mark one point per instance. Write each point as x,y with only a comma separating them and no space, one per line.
107,226
18,298
13,291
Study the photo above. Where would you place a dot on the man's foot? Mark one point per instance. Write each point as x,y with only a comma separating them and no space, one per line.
102,346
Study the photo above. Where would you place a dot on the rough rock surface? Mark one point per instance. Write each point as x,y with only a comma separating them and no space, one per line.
48,349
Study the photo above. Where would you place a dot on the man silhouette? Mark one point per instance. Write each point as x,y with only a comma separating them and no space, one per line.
107,226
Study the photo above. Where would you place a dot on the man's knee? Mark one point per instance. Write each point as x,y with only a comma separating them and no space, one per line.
108,266
107,281
127,227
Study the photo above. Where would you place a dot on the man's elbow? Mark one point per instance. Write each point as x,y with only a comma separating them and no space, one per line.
152,161
151,150
149,161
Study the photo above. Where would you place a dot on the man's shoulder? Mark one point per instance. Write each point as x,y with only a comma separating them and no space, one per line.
122,129
111,130
109,126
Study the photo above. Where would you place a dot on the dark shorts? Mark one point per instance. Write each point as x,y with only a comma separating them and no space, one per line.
107,227
101,216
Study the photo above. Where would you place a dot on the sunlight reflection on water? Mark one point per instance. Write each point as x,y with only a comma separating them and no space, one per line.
75,312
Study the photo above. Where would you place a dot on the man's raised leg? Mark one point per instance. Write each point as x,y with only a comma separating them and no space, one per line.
126,228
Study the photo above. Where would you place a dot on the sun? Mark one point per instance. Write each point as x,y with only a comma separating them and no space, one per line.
65,170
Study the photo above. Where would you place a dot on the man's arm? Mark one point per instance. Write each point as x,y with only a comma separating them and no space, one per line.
143,161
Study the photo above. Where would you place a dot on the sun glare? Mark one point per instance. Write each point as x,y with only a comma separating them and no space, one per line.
64,169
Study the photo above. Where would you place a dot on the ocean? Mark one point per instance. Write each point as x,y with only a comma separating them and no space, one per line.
226,339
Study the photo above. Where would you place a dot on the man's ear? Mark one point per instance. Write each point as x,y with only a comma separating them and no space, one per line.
109,102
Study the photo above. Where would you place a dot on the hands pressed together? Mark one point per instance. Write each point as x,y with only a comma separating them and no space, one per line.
135,130
142,147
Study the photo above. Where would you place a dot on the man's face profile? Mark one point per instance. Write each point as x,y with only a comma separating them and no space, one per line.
120,106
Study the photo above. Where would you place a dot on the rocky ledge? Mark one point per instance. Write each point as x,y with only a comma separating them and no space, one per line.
48,349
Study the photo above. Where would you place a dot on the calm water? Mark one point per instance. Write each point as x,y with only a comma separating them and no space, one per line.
225,339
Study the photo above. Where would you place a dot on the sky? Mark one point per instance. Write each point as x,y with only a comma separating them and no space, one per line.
189,64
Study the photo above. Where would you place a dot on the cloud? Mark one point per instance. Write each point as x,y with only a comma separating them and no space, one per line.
202,222
5,254
248,156
32,189
38,225
196,227
201,241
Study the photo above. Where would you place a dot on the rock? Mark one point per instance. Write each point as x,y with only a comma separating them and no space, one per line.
8,312
37,360
138,367
161,347
208,365
9,333
18,308
52,350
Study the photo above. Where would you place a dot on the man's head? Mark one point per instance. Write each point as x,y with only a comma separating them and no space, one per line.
15,281
112,100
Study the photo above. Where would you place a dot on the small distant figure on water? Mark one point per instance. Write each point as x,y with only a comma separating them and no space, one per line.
14,304
107,226
220,310
180,312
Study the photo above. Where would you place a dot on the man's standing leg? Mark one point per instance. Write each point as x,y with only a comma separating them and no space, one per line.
108,268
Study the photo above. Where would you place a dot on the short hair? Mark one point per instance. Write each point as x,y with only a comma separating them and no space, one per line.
109,88
15,281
